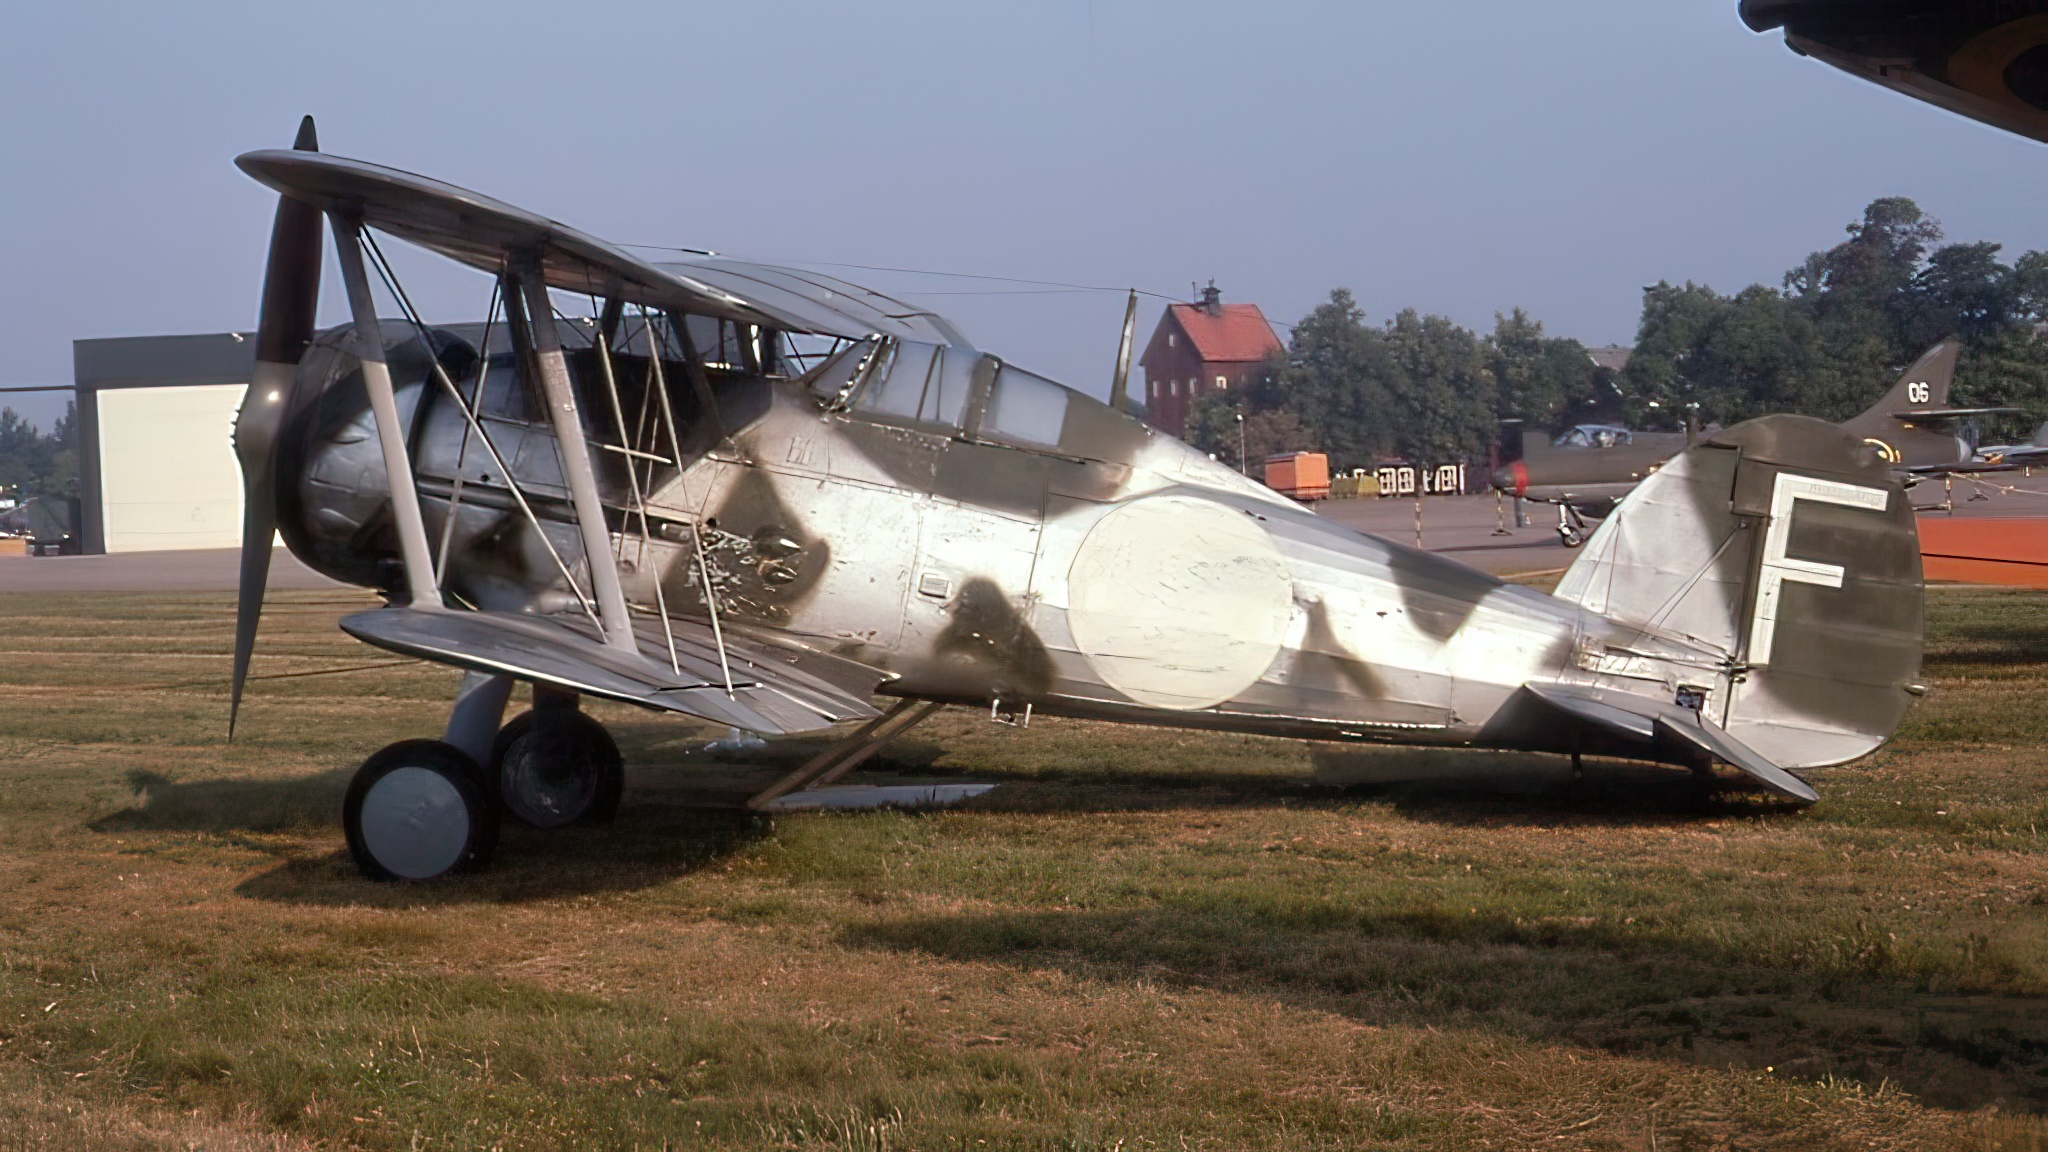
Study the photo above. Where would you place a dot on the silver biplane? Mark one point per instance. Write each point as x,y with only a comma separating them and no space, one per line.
766,498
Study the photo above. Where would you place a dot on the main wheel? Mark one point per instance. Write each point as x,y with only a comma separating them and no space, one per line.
555,767
419,810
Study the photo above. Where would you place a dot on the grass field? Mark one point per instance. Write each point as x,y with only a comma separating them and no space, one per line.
1142,939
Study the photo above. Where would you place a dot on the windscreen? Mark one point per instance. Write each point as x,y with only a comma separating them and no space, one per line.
901,386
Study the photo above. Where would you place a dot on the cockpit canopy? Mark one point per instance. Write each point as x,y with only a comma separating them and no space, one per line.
952,390
1593,436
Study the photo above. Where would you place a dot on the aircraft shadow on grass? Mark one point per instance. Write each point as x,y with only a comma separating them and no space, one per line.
647,845
669,825
2021,638
1555,980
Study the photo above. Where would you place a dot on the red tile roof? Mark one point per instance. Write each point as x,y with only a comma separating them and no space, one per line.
1240,334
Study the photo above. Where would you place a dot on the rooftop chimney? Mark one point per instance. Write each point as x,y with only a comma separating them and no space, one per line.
1212,300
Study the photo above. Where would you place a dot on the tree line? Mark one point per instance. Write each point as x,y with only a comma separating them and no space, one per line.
35,463
1826,342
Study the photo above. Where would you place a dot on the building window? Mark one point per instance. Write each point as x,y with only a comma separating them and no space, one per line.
1169,339
1222,383
1175,385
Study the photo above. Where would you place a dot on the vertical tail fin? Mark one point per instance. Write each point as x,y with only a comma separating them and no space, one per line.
1922,387
1787,546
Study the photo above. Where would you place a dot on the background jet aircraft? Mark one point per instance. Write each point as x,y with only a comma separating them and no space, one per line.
2006,457
1584,469
762,497
1986,59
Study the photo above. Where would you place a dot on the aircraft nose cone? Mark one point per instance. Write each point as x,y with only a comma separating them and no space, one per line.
1510,478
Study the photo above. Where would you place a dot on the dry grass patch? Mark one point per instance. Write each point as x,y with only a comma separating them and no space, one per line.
1142,939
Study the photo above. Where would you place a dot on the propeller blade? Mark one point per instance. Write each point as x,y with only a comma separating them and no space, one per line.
291,293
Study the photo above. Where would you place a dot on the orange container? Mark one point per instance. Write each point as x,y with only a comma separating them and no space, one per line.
2007,550
1302,475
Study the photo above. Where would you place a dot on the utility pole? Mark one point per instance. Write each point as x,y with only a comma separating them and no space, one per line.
1243,465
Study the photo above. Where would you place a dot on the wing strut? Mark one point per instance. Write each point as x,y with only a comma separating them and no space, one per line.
577,473
475,426
483,377
369,338
675,446
611,387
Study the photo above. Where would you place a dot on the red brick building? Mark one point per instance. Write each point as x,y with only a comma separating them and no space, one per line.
1202,348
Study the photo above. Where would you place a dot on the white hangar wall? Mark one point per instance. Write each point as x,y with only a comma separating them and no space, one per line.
168,474
155,420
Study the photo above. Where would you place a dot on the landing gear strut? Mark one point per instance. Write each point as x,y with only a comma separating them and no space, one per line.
1571,527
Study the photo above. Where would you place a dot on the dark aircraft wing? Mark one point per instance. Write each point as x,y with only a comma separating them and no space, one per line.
2011,460
477,230
825,303
1985,59
778,686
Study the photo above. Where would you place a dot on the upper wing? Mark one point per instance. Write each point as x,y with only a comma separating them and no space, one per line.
479,231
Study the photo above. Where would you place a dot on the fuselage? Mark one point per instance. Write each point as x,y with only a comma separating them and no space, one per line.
1587,463
978,533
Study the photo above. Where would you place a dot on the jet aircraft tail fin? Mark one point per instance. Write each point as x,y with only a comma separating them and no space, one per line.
1921,389
1913,425
1784,547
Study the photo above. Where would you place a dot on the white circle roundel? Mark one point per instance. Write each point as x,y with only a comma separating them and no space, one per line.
1179,602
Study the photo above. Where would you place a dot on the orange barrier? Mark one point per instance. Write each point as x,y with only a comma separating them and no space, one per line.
2011,551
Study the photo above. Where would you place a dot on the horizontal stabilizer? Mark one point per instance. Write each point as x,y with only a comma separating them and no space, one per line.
1784,554
1589,708
776,690
1688,727
1637,720
1926,414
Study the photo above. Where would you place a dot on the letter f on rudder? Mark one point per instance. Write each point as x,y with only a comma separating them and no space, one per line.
1777,568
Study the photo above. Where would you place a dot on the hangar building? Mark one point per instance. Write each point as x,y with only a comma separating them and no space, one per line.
157,469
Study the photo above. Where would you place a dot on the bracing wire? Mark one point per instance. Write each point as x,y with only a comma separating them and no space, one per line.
441,375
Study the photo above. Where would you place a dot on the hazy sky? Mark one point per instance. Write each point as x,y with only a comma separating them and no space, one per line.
1457,158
